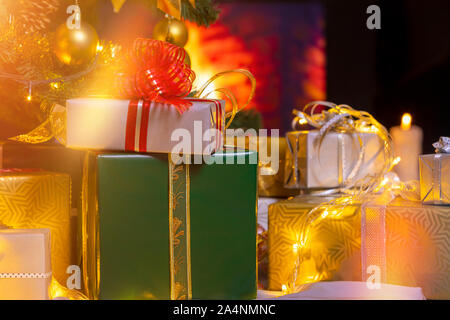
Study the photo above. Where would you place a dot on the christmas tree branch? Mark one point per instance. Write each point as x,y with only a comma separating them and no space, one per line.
204,13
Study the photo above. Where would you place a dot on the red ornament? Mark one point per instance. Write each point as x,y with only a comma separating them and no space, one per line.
157,72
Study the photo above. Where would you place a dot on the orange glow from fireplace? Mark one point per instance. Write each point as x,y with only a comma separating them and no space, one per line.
213,50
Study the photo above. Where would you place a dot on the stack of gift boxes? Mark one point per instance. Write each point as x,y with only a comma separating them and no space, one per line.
123,212
143,201
151,227
329,232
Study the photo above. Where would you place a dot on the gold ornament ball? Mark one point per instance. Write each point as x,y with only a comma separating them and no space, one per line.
171,30
75,47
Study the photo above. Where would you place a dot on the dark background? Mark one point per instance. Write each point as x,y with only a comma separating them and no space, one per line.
404,67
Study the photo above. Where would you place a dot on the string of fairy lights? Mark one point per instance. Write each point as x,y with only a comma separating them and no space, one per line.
54,82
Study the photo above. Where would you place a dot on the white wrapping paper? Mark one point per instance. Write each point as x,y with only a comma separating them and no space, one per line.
109,124
311,167
347,290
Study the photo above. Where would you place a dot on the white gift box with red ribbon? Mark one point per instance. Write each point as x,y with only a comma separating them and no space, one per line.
144,126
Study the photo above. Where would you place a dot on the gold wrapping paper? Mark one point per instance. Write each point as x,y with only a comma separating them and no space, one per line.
417,245
39,199
285,220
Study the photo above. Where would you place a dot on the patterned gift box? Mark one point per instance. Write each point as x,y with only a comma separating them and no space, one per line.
285,221
171,231
25,270
40,199
416,251
263,220
47,156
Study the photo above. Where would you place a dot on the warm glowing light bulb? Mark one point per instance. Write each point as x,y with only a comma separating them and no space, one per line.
284,289
55,85
80,36
324,214
99,47
406,121
29,98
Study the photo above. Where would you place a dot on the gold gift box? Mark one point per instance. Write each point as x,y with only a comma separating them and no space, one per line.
417,245
285,222
39,199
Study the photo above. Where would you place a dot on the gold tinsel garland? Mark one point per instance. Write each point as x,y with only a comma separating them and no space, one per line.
29,58
31,15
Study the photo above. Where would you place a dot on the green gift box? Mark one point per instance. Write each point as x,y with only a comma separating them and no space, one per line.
167,231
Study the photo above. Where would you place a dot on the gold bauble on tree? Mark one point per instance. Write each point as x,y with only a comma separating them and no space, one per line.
171,30
75,47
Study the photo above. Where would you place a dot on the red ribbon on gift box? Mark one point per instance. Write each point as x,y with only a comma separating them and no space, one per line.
157,72
138,121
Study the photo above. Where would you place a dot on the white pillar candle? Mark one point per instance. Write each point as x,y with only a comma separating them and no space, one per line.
407,140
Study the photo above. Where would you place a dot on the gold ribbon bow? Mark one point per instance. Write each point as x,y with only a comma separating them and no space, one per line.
343,118
227,93
53,127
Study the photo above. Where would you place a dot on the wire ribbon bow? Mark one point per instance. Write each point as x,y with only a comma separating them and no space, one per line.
344,119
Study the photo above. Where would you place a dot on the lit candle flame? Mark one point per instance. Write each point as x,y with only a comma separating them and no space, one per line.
406,121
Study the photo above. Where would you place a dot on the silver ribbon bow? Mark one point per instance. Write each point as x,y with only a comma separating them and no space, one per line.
443,145
345,119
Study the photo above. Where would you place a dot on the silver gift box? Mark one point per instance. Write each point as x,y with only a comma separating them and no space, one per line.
311,164
435,178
